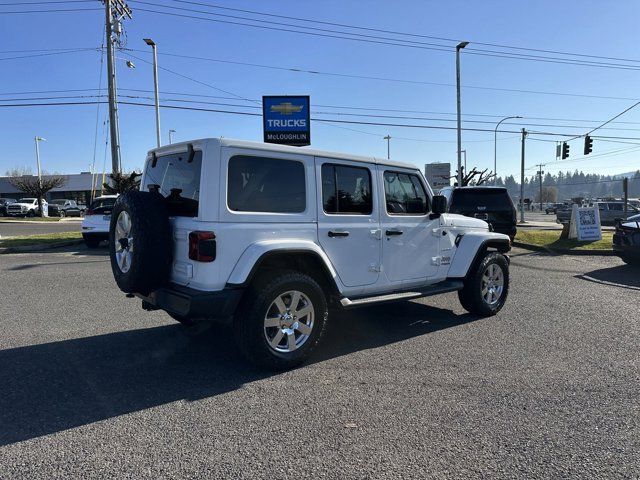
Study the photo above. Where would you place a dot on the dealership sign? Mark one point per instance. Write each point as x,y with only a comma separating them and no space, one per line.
438,175
585,224
286,120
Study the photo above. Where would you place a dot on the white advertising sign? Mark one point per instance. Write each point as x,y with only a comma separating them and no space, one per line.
438,174
585,224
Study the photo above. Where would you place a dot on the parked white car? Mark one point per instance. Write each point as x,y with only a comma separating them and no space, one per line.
95,225
273,235
26,207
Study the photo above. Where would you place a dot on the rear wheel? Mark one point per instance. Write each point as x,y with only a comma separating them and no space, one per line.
62,214
280,323
487,286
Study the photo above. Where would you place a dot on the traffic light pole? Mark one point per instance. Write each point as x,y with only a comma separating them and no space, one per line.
524,134
540,172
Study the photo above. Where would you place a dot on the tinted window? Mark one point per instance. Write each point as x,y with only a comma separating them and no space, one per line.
616,206
177,178
469,199
346,190
404,194
101,205
260,184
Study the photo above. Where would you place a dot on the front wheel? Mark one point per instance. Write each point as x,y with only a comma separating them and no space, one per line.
62,214
487,286
280,323
31,214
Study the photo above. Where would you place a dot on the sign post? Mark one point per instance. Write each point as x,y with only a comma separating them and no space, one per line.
286,120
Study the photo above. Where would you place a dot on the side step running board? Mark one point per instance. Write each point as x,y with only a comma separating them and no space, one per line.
442,287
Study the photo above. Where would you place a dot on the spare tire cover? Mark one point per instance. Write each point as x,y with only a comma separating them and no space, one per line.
140,244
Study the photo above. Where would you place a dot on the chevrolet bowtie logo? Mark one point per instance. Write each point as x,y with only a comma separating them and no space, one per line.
286,108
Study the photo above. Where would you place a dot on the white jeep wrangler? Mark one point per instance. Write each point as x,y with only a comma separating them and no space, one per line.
274,236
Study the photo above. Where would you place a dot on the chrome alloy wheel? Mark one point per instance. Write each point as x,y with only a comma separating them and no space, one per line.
289,321
492,284
123,242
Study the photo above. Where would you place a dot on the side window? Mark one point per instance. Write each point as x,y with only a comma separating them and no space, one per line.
404,194
346,190
616,206
261,184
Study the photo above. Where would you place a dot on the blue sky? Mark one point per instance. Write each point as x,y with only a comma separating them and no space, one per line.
589,27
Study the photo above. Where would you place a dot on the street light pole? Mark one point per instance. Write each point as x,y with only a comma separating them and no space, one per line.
38,140
152,44
495,148
459,47
388,139
170,137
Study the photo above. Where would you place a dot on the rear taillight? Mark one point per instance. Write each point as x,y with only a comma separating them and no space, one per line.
202,246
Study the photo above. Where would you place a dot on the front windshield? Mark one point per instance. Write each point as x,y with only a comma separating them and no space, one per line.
27,200
58,202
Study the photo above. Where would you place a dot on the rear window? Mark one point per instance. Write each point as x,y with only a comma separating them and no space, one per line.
471,199
177,178
262,184
102,205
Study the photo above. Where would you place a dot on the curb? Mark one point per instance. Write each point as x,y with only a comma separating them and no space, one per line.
40,247
564,251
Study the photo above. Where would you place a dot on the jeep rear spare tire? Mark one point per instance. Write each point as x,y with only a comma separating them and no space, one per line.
140,242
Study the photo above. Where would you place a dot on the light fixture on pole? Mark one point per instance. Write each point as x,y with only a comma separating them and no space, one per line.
495,148
152,44
459,47
170,137
388,139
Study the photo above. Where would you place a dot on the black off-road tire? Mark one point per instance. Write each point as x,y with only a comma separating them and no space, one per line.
248,323
152,246
471,297
90,241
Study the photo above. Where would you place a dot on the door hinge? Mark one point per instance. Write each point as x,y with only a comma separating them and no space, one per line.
376,233
435,261
375,268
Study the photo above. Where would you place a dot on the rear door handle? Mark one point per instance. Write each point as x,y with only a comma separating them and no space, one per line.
334,233
388,233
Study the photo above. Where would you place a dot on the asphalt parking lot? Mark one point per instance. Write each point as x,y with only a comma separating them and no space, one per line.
94,387
17,228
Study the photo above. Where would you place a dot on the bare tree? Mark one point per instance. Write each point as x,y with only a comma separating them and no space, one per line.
35,187
121,183
19,171
469,178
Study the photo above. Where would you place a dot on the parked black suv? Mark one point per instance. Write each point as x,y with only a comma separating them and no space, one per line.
491,204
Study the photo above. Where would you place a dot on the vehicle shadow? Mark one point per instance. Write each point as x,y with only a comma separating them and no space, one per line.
622,276
55,386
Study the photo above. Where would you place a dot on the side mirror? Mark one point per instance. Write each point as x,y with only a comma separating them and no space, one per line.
438,205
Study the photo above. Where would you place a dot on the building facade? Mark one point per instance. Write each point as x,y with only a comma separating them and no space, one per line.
77,187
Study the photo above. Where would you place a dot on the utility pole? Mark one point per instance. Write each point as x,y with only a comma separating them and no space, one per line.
459,47
625,191
524,134
540,172
115,11
170,137
388,139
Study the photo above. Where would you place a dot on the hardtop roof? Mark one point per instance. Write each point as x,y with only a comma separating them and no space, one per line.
270,147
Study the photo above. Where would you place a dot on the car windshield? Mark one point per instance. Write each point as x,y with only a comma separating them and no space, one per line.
27,200
58,202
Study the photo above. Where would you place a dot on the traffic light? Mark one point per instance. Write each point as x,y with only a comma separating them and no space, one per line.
565,150
588,145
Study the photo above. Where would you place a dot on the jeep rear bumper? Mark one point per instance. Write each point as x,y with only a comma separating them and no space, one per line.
192,303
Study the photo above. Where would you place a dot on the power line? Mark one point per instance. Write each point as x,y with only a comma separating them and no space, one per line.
380,78
403,33
57,10
372,38
49,54
353,122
